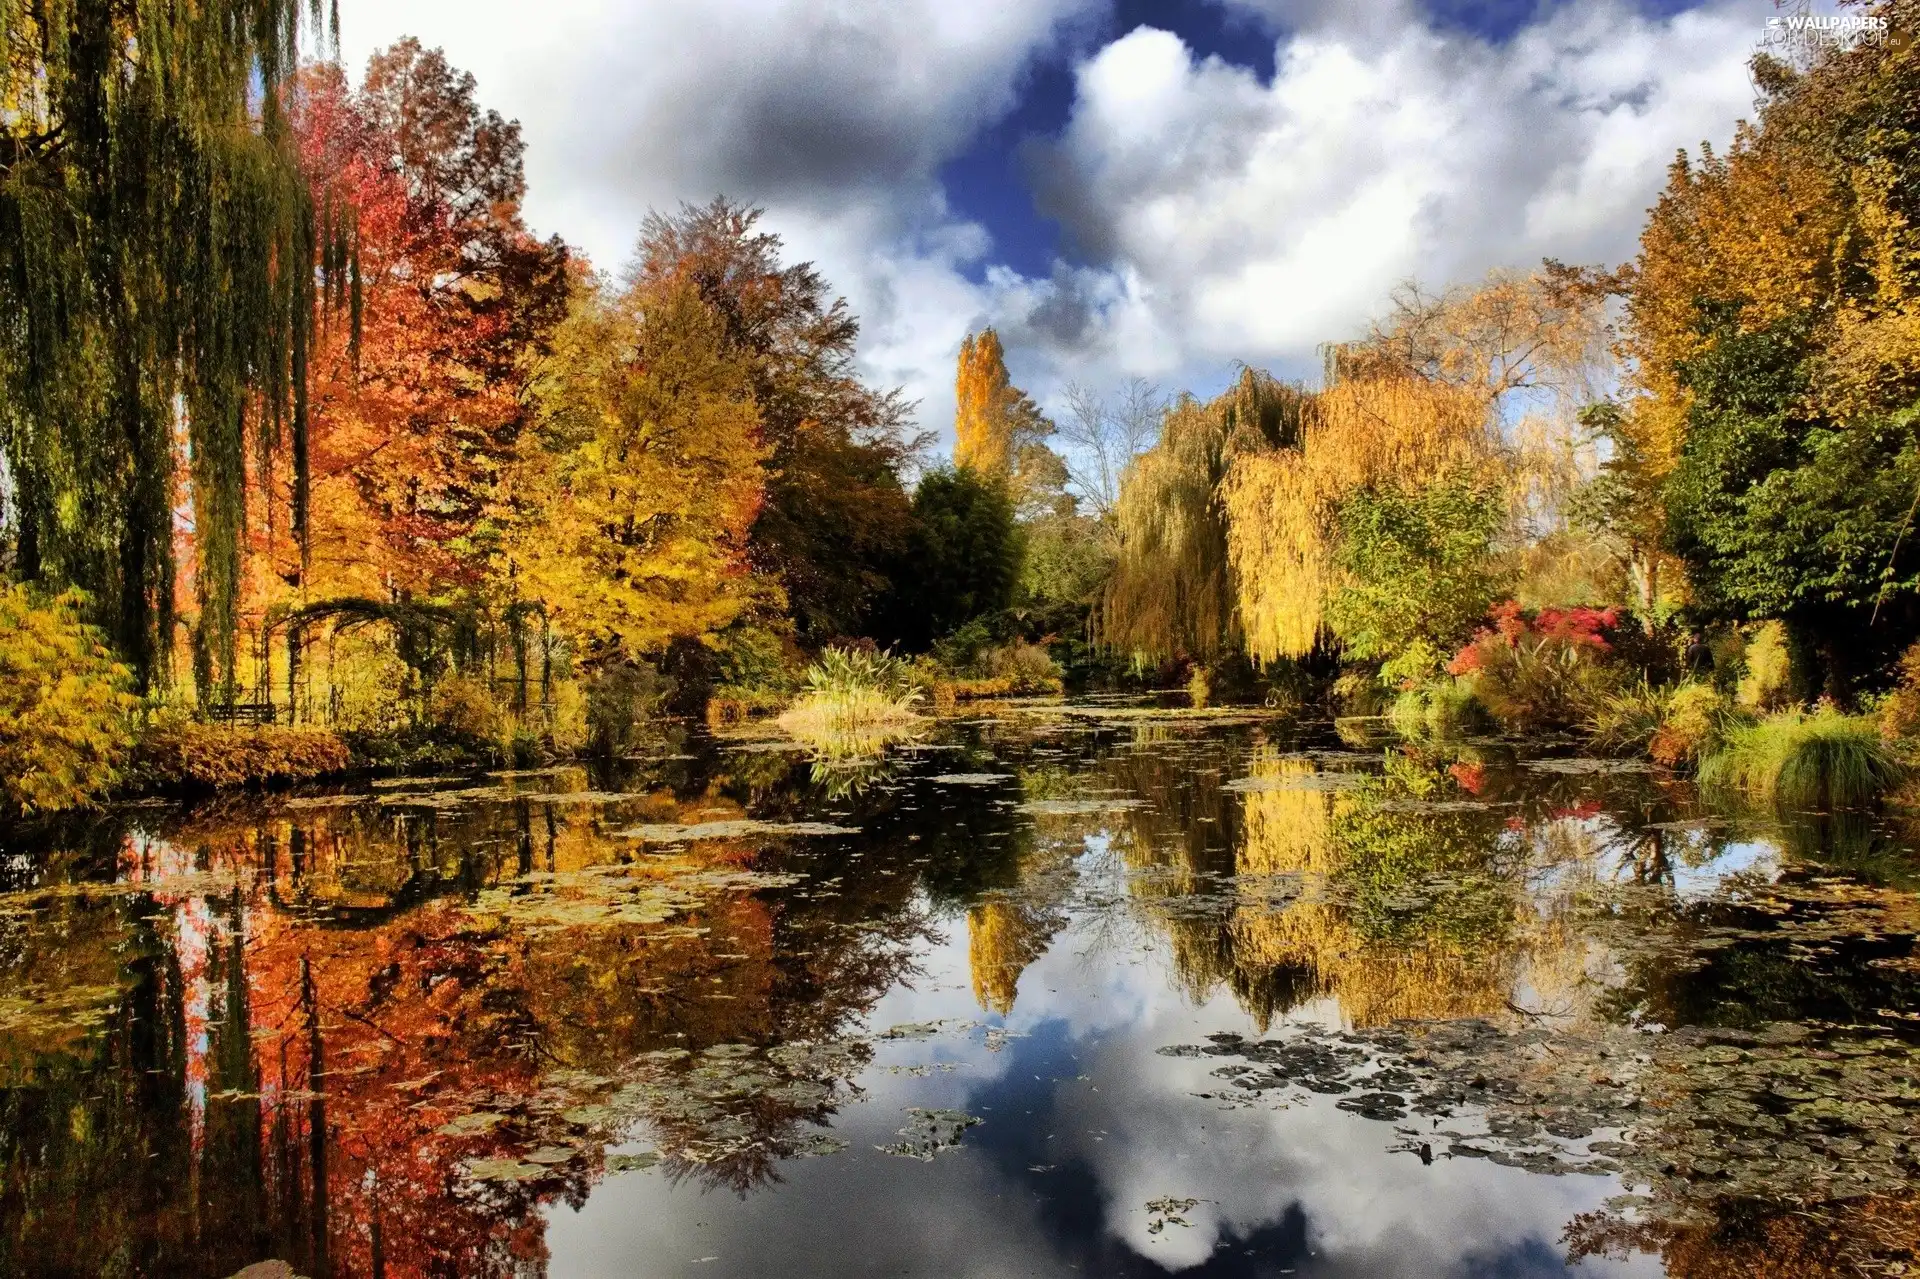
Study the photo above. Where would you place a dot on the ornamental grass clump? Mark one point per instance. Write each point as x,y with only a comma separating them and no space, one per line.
1799,760
856,701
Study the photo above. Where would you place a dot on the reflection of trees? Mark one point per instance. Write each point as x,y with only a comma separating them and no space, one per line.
311,1029
1400,895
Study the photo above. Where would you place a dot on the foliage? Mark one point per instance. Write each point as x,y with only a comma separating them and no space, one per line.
463,707
1172,591
1694,724
1067,562
1621,503
835,519
1283,505
964,558
1441,708
1900,713
994,423
1767,684
1798,760
157,245
65,709
856,701
417,407
645,476
1415,569
840,671
194,754
1550,670
1772,333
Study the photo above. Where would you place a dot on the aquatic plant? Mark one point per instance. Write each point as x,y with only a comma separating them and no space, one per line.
856,702
1443,708
1795,760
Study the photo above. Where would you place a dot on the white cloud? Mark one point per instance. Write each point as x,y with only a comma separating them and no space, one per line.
1263,220
1224,219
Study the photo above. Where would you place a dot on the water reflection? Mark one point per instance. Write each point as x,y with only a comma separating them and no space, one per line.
1133,991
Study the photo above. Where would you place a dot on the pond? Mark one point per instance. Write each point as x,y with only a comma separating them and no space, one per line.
1093,988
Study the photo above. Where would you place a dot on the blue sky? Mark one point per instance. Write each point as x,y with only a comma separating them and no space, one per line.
1157,188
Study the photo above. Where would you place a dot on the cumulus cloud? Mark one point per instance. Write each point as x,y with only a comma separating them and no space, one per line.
1211,217
1258,220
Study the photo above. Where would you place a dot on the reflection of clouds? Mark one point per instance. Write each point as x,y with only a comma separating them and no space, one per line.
1132,1129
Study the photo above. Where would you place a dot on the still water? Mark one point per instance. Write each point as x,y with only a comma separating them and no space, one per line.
1088,989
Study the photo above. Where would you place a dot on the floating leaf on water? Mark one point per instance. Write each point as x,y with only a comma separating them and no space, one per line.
971,779
480,1121
502,1170
547,1156
1584,766
1078,807
673,833
633,1162
1296,781
814,1144
910,1030
929,1132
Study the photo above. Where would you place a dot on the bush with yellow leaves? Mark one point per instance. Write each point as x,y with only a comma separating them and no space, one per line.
66,707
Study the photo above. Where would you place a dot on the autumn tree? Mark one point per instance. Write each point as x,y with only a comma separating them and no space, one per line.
416,414
998,430
1172,593
1776,372
836,515
642,481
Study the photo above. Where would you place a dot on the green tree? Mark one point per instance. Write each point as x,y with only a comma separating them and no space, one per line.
1780,512
964,560
1417,571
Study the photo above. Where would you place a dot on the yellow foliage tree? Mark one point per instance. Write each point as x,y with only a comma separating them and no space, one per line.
66,712
644,475
1281,504
1170,593
994,421
1756,229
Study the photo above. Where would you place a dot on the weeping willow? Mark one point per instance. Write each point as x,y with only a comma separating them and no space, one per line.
157,292
1170,593
1279,505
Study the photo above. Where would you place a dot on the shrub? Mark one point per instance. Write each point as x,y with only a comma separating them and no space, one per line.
1900,713
462,707
1443,708
193,754
1029,666
1628,719
1551,670
1693,725
1767,684
1798,760
65,706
